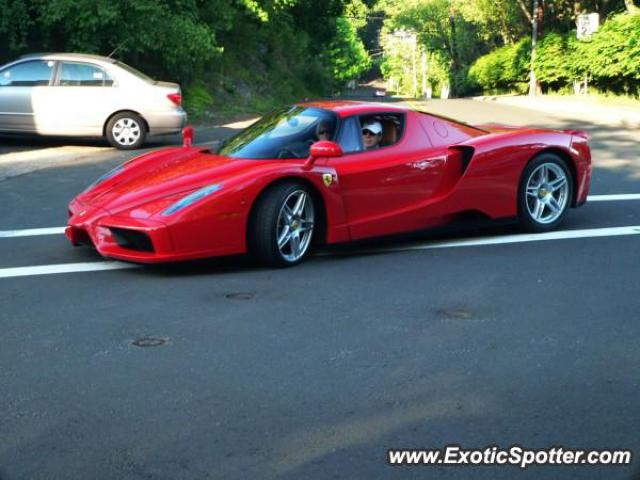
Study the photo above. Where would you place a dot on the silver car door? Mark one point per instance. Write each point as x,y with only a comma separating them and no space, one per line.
80,100
20,84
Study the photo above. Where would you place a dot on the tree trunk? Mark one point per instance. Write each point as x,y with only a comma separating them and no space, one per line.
505,32
540,19
525,10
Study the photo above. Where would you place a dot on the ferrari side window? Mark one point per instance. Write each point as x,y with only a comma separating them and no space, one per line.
349,138
381,130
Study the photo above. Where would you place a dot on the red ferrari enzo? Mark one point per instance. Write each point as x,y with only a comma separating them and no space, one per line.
328,172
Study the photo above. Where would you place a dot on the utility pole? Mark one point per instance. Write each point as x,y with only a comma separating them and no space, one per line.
533,83
424,74
414,40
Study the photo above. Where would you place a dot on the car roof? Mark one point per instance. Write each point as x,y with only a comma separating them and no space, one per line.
345,108
68,56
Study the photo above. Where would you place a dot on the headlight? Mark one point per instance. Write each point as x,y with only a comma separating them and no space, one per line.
191,198
106,176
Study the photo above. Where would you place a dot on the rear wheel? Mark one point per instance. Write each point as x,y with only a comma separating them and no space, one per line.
545,193
282,225
126,131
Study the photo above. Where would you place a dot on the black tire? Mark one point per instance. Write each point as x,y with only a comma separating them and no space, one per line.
126,131
266,222
555,203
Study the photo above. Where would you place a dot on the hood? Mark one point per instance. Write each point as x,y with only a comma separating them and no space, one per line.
162,174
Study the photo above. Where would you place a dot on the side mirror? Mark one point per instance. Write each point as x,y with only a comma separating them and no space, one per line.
187,136
323,148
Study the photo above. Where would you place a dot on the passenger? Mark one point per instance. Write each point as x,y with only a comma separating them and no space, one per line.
371,134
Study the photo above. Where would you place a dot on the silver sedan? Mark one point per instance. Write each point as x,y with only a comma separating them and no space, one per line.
87,95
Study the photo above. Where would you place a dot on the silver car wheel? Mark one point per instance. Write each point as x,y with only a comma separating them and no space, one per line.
547,193
295,225
126,131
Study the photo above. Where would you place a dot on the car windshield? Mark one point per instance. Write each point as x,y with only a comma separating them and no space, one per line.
286,133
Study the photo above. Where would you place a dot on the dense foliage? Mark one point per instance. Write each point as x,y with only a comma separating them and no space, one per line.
252,52
609,60
485,45
449,41
505,68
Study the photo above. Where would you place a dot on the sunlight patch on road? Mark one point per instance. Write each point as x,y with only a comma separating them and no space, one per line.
23,162
60,153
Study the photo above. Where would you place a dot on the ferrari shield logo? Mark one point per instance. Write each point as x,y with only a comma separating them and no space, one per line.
327,178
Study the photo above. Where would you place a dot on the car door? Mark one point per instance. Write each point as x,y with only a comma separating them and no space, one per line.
80,99
387,190
20,86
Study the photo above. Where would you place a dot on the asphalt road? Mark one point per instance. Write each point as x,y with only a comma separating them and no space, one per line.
315,372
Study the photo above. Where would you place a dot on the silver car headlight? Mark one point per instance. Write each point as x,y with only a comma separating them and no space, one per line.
184,202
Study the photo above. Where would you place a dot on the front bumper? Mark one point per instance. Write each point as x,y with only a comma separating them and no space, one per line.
97,228
135,240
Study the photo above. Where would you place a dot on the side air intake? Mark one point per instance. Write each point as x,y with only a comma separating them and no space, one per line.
463,154
132,239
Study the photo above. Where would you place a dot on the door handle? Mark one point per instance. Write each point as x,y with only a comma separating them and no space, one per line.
431,162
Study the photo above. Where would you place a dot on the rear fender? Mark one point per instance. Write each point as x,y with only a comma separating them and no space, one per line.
489,183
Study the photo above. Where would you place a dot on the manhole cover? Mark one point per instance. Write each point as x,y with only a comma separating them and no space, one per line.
150,342
455,313
240,295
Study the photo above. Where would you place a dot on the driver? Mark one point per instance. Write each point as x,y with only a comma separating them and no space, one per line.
323,131
371,134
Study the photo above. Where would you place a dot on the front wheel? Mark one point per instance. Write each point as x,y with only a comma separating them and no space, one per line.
282,225
126,131
545,193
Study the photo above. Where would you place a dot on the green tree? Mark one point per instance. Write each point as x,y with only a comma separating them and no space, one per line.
440,28
348,57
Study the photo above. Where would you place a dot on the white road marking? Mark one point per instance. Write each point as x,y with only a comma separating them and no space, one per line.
31,232
468,242
518,238
612,198
63,268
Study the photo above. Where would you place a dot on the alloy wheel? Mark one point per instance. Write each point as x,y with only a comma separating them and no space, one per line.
547,191
295,225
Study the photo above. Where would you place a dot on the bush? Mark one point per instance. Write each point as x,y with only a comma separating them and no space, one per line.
552,63
506,68
197,99
609,59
